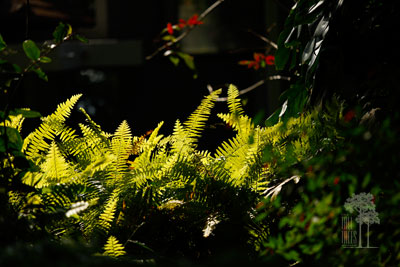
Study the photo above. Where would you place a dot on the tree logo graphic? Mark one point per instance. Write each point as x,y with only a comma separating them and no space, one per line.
364,205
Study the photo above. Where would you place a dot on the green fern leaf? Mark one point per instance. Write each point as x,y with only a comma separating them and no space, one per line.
52,126
63,110
55,168
121,146
234,104
197,120
113,248
108,214
180,141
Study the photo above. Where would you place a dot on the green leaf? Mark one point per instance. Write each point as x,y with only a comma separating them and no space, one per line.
81,38
17,68
45,59
26,113
293,61
308,51
14,138
41,74
273,119
366,180
8,83
62,31
3,44
188,59
2,61
169,38
31,50
174,60
292,255
283,53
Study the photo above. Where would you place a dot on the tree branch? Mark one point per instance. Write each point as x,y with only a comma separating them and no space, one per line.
265,39
186,32
251,87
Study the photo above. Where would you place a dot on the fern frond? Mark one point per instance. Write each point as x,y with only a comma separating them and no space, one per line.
148,149
180,142
63,110
121,147
234,104
63,196
113,248
51,126
91,145
55,168
98,164
94,126
108,214
35,142
196,121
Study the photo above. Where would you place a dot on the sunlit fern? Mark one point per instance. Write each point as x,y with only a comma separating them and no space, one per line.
113,248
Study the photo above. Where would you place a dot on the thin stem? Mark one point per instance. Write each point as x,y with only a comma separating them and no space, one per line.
251,87
134,231
265,39
186,32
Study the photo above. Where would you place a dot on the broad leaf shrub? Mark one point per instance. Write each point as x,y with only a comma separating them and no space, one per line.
305,219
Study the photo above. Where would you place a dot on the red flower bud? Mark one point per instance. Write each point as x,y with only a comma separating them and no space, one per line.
349,115
182,23
194,20
258,57
270,60
170,29
336,180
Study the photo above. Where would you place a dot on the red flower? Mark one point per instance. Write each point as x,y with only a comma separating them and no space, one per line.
253,64
182,23
336,180
270,60
170,29
349,115
194,20
258,57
